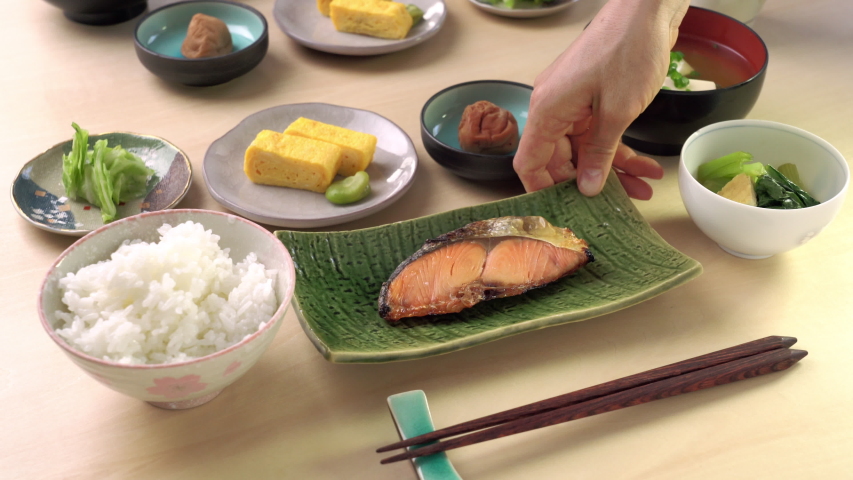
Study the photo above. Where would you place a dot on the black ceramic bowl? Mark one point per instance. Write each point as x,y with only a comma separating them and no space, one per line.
100,12
160,34
440,123
673,115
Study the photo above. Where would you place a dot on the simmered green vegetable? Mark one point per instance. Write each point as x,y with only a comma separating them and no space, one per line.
102,176
716,173
772,188
349,190
798,196
790,170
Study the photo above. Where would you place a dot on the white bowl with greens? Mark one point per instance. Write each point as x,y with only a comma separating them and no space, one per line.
787,218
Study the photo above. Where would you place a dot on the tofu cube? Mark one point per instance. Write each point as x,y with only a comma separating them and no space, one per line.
274,158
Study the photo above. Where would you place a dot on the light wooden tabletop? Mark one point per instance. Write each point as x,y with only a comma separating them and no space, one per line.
295,415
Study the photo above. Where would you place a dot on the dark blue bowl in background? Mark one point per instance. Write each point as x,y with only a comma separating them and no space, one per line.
100,12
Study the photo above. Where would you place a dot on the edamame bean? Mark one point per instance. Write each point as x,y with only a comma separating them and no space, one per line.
349,190
416,13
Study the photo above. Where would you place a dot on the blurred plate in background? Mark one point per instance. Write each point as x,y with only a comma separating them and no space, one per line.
302,22
525,9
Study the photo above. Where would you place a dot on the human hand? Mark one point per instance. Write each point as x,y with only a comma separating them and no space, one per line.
583,102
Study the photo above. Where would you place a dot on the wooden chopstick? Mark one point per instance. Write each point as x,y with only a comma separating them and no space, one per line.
740,369
685,366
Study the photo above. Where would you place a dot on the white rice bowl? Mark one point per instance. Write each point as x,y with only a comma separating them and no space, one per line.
165,302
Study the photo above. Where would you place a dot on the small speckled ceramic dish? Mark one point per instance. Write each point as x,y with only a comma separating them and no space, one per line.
40,198
410,413
160,34
189,383
340,274
301,21
525,8
440,119
391,171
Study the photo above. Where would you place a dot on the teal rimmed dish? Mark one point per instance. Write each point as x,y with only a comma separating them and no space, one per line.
442,113
339,275
159,35
39,196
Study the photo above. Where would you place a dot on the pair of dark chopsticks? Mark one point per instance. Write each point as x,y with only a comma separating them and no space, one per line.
751,359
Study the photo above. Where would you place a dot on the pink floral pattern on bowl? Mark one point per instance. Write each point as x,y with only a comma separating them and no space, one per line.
193,382
232,368
170,387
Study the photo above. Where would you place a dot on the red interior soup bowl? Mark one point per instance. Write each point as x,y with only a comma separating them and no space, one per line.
720,49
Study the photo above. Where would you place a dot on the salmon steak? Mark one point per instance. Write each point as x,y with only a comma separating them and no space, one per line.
484,260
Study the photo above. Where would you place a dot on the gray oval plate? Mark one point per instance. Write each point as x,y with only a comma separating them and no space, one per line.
39,196
525,9
301,21
391,171
339,275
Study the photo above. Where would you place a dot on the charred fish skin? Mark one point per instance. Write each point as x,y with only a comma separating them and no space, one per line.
474,263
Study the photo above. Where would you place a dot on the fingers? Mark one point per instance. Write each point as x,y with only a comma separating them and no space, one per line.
596,151
531,162
629,167
635,187
543,138
560,167
627,161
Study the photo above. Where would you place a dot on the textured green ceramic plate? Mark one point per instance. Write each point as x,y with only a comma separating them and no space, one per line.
339,275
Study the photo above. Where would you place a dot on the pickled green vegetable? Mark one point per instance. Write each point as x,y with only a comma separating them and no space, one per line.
103,176
349,190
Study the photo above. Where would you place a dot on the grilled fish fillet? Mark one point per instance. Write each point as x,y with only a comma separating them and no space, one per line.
489,259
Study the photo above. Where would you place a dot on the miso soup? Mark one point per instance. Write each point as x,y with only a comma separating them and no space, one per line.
712,61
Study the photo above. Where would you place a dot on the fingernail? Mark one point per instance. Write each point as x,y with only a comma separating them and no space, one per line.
589,181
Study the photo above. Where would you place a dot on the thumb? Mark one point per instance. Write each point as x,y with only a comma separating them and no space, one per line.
596,149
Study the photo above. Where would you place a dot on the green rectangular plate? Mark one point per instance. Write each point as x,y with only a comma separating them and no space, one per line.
339,274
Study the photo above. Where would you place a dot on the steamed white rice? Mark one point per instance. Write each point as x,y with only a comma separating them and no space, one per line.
174,300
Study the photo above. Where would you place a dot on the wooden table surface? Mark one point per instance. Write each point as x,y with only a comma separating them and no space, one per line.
295,415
